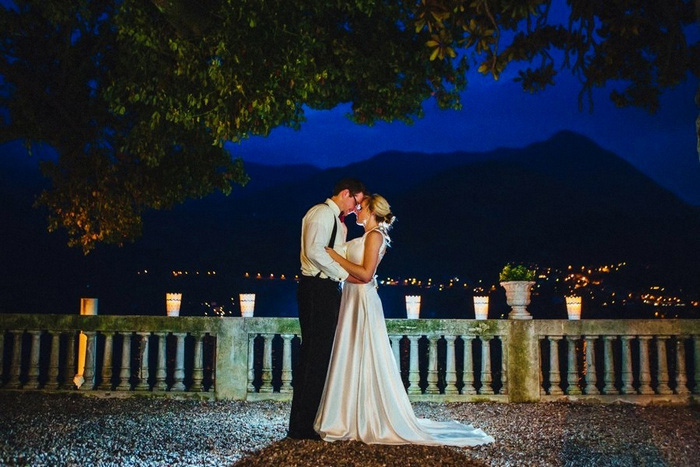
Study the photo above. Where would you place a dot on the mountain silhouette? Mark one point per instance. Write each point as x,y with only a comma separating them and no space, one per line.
562,201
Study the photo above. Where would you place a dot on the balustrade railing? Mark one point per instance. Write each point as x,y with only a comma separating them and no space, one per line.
619,360
439,360
118,354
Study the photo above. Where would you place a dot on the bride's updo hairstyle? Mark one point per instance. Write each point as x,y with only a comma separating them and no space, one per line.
381,210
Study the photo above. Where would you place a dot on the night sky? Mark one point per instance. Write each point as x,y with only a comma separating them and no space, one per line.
500,114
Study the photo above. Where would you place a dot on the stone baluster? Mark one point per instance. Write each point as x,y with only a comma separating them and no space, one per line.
286,386
266,385
2,355
125,370
179,373
414,370
486,379
450,369
396,350
468,373
69,379
696,359
160,383
251,362
16,362
681,378
144,373
591,377
644,366
572,387
198,363
608,366
554,374
432,366
504,365
626,365
52,377
106,383
662,365
90,351
34,352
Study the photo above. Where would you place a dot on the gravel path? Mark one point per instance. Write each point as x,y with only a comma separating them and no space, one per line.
68,429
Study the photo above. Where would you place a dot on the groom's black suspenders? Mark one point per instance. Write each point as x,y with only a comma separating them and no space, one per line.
331,243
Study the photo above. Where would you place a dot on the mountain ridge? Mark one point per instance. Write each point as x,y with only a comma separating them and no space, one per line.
560,201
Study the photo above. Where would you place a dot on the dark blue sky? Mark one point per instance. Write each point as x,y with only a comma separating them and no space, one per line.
499,114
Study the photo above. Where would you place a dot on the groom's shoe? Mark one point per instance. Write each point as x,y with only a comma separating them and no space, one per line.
313,436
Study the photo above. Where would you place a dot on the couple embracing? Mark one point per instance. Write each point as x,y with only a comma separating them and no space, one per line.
347,385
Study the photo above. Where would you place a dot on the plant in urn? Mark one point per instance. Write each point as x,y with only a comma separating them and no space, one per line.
517,281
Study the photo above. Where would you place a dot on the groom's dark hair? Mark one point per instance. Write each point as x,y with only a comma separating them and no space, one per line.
354,185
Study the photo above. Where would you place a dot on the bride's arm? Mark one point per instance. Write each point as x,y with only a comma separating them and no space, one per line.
365,271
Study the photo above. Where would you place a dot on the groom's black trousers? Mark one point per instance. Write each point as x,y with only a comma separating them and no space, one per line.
319,301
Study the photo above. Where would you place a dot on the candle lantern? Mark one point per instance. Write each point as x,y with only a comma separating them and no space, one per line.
412,306
481,307
247,304
573,306
172,303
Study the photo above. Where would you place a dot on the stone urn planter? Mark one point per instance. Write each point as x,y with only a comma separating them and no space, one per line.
518,298
517,281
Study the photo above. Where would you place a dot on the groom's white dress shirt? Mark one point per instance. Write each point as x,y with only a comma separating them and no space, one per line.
316,229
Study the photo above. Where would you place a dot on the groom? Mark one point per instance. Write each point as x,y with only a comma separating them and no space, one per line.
318,298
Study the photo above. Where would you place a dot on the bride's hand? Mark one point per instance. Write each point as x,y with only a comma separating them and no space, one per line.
333,254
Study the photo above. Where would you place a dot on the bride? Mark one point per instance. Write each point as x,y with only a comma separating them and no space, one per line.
364,398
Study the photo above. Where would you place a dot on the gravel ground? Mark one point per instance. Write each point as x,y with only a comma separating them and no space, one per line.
68,429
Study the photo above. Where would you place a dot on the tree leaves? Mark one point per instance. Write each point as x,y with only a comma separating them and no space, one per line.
139,97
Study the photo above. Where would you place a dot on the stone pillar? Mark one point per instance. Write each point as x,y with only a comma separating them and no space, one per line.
198,364
662,387
69,378
251,362
52,377
125,371
591,377
88,307
266,386
627,387
179,374
608,366
2,355
572,367
106,383
450,370
89,370
468,373
504,368
681,379
696,355
16,363
432,366
144,373
286,363
554,372
414,370
541,372
34,352
523,362
231,368
162,368
644,368
486,380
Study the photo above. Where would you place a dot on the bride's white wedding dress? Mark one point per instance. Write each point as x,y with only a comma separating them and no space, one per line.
364,398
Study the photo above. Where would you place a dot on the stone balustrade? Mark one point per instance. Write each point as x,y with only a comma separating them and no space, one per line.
440,360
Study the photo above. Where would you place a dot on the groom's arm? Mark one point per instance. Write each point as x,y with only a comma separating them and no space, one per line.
316,235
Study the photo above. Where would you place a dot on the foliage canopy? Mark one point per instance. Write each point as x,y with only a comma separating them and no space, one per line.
138,97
